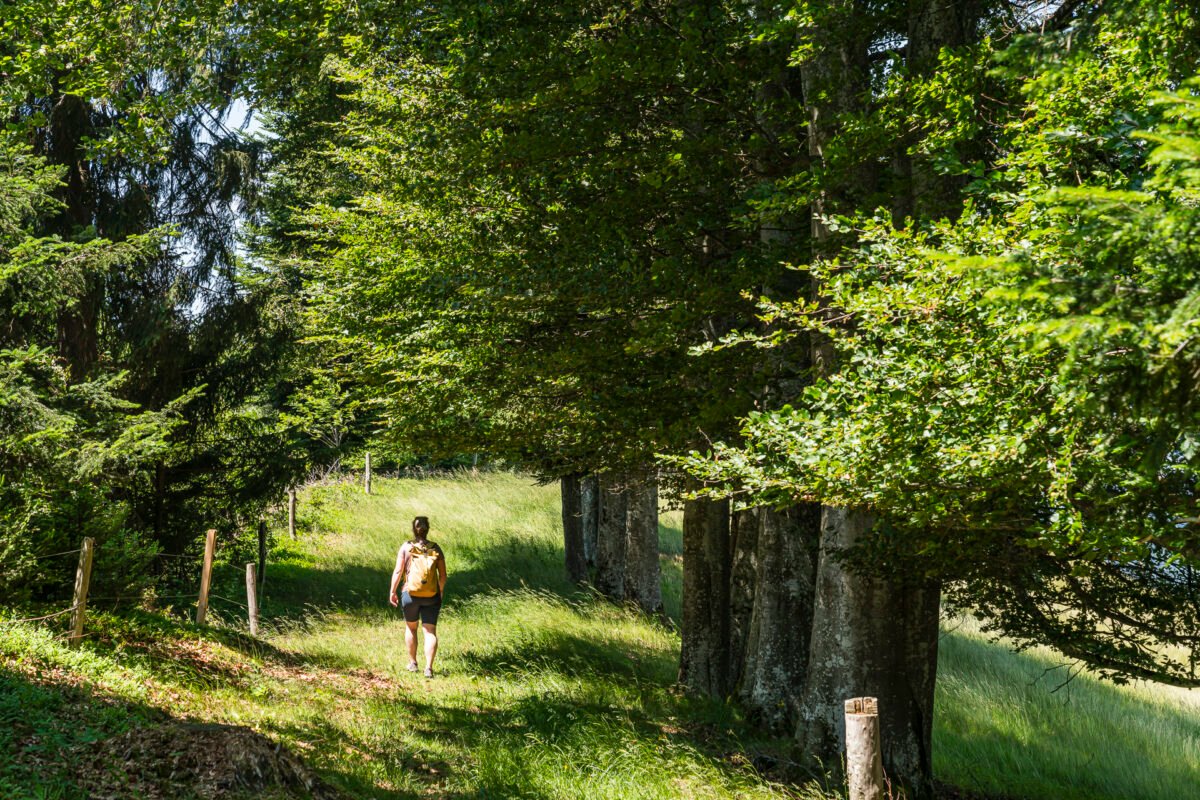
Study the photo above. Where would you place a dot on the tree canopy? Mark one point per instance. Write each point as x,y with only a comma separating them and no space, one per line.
912,284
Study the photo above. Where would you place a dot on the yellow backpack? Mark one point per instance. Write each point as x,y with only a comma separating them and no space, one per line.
422,577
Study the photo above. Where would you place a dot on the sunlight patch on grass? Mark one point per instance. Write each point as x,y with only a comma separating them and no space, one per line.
543,689
1003,726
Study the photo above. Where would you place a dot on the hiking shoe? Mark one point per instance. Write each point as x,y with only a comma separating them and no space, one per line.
412,666
428,672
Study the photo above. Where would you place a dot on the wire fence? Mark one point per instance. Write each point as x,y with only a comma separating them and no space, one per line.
55,555
83,597
227,600
80,604
201,596
143,598
40,619
173,555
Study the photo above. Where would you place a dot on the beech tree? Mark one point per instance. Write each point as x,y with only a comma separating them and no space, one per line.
943,446
559,233
568,234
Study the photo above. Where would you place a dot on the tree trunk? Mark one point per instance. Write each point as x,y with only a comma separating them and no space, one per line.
704,649
773,572
160,501
643,576
68,125
610,537
870,637
877,636
743,570
932,26
572,521
780,623
589,502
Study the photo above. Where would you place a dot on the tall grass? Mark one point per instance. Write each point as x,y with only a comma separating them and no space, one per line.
543,690
1028,726
1002,728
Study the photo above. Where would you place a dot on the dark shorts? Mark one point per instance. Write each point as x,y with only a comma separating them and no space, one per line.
424,608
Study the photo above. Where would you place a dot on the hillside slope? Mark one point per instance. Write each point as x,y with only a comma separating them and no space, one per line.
542,690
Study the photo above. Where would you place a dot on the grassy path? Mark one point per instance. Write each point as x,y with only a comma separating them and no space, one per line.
542,691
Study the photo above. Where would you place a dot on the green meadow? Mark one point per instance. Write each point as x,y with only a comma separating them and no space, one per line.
541,691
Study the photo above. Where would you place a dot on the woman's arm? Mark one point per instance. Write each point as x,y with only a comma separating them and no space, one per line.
442,574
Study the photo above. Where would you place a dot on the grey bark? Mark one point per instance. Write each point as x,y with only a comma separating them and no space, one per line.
704,649
610,537
870,637
589,502
572,522
778,560
877,636
743,560
643,576
778,637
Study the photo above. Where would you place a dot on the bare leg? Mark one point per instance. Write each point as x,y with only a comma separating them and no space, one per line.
430,645
410,639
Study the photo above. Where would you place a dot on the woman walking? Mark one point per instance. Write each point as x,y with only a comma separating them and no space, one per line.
422,567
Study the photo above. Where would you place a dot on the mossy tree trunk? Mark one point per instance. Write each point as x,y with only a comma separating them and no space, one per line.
572,522
777,643
643,576
610,536
589,509
705,648
743,571
871,637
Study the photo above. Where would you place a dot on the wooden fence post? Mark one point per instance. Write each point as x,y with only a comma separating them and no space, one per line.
252,598
367,475
210,544
864,760
83,578
262,550
292,511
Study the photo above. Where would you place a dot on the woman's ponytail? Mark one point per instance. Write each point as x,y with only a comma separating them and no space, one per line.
420,527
